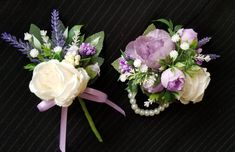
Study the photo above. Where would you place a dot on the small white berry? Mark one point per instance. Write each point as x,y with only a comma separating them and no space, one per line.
57,49
123,77
184,46
34,53
175,38
143,68
137,63
174,54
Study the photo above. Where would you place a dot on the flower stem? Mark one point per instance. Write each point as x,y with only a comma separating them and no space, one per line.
90,121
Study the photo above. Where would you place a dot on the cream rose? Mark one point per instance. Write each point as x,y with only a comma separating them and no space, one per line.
59,81
194,87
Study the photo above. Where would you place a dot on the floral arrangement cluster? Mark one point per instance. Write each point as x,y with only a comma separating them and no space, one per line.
166,66
63,66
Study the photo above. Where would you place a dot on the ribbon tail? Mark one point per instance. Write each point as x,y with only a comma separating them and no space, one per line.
116,107
63,128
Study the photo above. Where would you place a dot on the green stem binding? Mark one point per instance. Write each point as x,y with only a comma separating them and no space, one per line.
90,121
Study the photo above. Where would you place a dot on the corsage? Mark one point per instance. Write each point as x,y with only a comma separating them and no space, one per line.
63,66
166,66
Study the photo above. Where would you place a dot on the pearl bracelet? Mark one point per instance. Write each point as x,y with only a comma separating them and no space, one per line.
144,112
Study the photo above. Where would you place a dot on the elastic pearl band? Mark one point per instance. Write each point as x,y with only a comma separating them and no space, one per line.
144,112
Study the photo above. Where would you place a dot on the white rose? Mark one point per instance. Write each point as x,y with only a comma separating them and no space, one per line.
59,81
194,87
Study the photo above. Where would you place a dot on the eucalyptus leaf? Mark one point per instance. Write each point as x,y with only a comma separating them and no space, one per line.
35,31
61,24
96,59
96,40
36,43
91,72
85,61
150,28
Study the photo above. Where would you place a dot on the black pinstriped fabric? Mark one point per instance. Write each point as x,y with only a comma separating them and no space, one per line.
208,126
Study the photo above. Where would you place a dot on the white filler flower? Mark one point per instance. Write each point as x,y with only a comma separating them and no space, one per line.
34,53
174,54
175,38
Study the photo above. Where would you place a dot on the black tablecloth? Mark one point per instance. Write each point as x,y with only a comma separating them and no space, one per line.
208,126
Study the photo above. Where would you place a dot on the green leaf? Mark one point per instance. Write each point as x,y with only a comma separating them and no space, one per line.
132,87
61,24
35,31
66,33
168,23
36,43
177,27
115,64
150,28
30,66
85,61
180,65
57,56
90,120
96,59
96,40
72,30
91,72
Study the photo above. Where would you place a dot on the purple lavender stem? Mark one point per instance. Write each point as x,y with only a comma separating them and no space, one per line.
57,32
23,47
203,41
213,56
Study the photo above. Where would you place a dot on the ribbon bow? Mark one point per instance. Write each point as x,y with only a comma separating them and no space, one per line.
88,94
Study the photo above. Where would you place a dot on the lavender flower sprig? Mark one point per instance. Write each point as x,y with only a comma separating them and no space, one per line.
23,47
57,32
204,41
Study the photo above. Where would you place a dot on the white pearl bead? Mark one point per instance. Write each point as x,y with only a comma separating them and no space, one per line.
146,113
166,105
151,113
156,111
130,96
137,111
134,106
132,101
161,108
141,112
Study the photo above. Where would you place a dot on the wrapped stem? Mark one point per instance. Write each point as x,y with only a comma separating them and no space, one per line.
90,120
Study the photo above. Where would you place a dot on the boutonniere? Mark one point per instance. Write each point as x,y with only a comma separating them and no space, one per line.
166,66
63,66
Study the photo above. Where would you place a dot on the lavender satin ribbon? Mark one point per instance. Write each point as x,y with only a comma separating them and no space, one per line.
89,94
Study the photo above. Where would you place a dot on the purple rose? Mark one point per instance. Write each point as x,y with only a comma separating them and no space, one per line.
150,49
188,35
173,79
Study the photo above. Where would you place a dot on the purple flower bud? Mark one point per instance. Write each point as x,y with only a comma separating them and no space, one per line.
86,49
173,79
124,66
